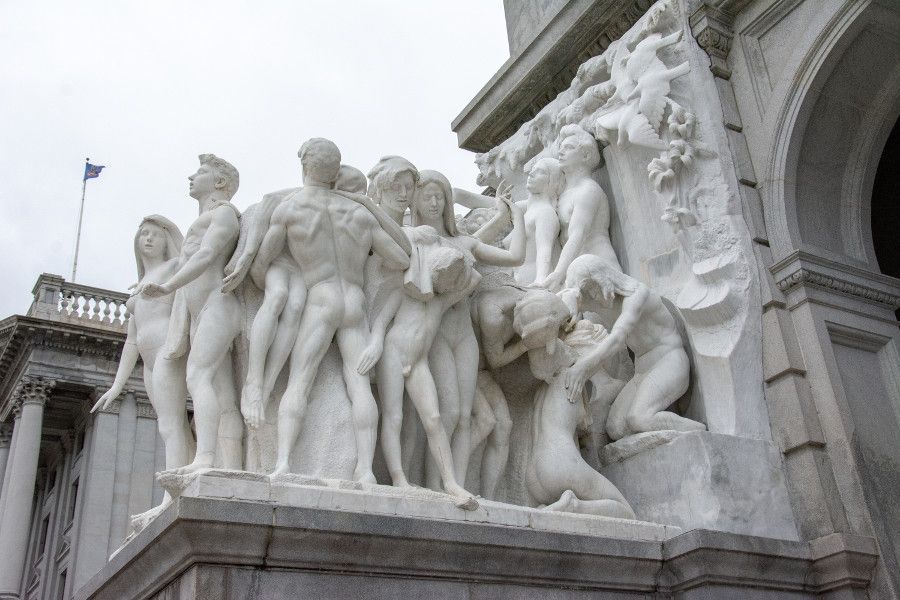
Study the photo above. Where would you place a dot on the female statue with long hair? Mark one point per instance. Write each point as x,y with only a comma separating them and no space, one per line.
157,247
454,353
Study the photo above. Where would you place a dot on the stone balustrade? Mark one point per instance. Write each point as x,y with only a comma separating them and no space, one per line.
60,300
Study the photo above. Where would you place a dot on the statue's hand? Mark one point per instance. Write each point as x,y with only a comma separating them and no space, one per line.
553,282
234,279
153,290
369,356
106,399
575,378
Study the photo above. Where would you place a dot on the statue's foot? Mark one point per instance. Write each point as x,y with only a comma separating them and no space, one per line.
566,502
364,476
280,469
199,464
461,498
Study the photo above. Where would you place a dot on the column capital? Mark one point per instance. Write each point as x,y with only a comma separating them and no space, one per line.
713,30
32,390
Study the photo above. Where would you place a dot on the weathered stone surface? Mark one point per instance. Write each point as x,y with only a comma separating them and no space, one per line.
706,480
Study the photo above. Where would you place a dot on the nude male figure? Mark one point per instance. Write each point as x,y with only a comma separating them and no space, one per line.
204,318
644,325
329,235
274,329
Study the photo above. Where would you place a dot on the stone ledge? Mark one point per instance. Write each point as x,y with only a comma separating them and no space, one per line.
293,544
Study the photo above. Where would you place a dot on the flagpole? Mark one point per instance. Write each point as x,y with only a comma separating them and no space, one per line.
78,232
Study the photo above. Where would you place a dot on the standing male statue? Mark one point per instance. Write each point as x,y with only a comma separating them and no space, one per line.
206,319
330,236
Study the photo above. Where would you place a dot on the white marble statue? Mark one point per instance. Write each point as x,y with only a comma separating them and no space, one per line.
205,320
545,183
439,276
330,236
493,304
275,325
557,475
157,249
645,326
454,353
583,207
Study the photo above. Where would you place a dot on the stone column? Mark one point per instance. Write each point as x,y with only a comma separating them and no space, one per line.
19,493
5,441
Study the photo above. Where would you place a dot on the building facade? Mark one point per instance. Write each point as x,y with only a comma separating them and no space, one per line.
71,479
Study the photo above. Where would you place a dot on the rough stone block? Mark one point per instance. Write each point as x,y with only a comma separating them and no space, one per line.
705,480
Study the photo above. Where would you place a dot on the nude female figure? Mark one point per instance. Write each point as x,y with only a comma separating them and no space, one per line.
557,476
583,207
645,326
454,353
157,246
440,275
544,184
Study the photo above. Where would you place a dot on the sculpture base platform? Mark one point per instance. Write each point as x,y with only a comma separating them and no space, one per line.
319,540
703,480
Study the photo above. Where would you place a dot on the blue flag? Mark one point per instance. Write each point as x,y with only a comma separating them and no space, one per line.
92,171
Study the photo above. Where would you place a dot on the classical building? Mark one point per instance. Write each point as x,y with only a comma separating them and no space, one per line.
71,479
748,155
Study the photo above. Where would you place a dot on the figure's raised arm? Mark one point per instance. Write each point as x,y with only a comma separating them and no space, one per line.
499,257
220,236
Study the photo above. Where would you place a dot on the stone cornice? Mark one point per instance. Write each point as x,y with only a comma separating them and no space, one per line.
713,30
544,68
20,335
804,269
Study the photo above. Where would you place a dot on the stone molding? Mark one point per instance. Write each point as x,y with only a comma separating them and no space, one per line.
804,269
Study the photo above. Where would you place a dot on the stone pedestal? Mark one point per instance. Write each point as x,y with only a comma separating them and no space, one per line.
235,536
703,480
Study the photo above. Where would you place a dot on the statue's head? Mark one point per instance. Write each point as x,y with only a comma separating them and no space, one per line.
538,317
433,200
351,179
392,183
546,177
321,161
577,148
157,238
596,278
214,175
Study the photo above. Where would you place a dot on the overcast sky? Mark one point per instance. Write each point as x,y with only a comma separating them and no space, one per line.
144,87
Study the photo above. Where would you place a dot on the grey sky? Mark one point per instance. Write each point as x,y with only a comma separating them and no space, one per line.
144,87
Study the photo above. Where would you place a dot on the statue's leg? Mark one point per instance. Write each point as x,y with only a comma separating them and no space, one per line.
663,383
262,333
210,346
285,334
496,452
442,364
423,393
319,323
483,419
390,392
351,342
616,424
466,359
169,401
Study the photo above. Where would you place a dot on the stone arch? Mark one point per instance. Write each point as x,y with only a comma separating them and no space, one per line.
831,133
